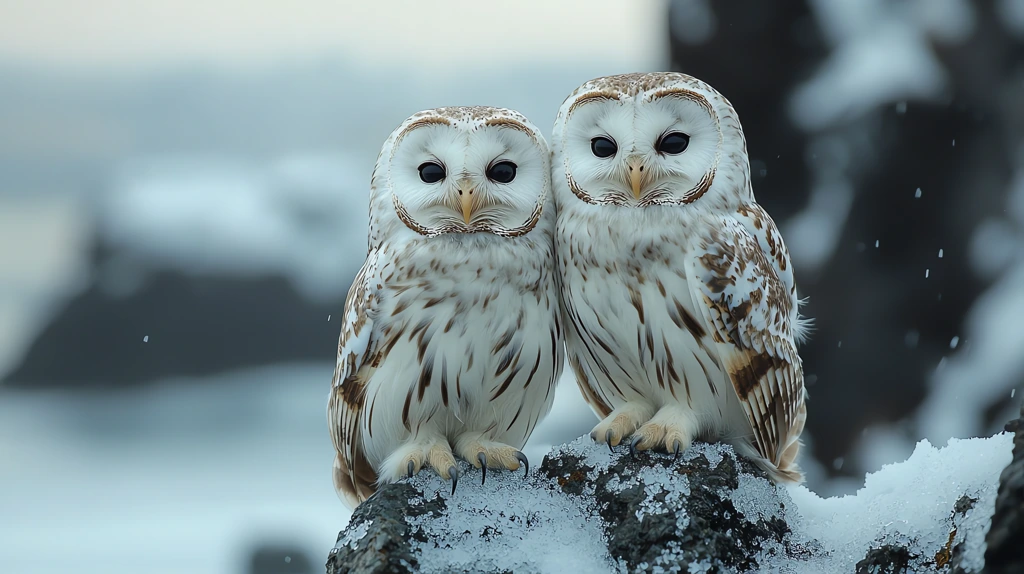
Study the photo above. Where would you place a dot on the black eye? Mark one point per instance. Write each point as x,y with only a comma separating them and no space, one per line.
603,147
431,172
502,172
673,143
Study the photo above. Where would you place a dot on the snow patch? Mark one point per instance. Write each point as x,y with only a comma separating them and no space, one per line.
509,524
910,503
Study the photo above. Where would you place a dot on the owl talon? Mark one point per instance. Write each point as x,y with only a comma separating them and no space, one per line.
632,445
411,466
525,462
608,439
677,447
454,473
483,467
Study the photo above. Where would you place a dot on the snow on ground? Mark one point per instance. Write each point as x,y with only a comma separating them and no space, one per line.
185,476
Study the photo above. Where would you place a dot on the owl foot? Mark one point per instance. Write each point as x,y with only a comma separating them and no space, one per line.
621,423
485,454
411,457
672,429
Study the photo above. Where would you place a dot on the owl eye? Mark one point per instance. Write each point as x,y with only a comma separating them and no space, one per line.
431,172
603,147
673,143
503,172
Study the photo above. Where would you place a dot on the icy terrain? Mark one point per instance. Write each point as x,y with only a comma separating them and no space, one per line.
596,511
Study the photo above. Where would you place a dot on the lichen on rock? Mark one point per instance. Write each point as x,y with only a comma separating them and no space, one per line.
587,509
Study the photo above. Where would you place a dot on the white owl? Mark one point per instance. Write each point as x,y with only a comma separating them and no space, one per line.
451,342
677,290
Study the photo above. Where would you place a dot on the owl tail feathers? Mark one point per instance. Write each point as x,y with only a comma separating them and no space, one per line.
352,489
786,471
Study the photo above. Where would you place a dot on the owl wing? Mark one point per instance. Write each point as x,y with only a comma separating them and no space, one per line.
746,293
357,356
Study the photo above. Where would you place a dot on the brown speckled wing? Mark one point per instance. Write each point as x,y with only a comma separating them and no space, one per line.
745,285
353,475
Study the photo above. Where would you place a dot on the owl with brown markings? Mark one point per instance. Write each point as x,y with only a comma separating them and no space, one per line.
451,341
677,290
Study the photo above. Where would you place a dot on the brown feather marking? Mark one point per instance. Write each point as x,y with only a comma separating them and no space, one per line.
444,380
434,301
515,418
506,361
405,410
402,305
533,372
425,373
508,381
747,377
691,323
637,301
589,395
503,342
707,377
369,422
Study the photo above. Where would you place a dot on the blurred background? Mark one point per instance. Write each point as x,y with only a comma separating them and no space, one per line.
183,198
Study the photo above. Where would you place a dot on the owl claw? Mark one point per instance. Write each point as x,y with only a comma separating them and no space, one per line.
454,473
608,439
632,445
525,462
411,466
677,447
483,467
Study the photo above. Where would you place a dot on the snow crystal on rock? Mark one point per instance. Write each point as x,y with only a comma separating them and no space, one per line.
512,523
758,499
354,535
592,454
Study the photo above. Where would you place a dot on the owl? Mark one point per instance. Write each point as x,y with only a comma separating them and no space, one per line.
451,341
680,307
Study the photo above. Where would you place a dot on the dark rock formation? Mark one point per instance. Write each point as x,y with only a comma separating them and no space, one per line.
194,324
1005,553
870,302
592,510
886,559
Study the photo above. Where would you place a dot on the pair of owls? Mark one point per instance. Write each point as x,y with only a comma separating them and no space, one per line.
635,246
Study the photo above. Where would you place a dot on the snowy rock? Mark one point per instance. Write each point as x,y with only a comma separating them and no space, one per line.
591,510
1005,553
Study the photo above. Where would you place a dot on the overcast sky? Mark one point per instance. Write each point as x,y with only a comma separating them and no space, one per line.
142,33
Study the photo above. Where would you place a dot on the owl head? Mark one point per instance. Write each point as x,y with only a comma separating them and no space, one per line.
462,170
641,140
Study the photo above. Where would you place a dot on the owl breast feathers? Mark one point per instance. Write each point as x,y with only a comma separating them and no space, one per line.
677,290
451,340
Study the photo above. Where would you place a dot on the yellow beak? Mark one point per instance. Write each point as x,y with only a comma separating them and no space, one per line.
636,173
466,199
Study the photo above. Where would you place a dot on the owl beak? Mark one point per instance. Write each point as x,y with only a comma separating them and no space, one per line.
636,173
465,187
